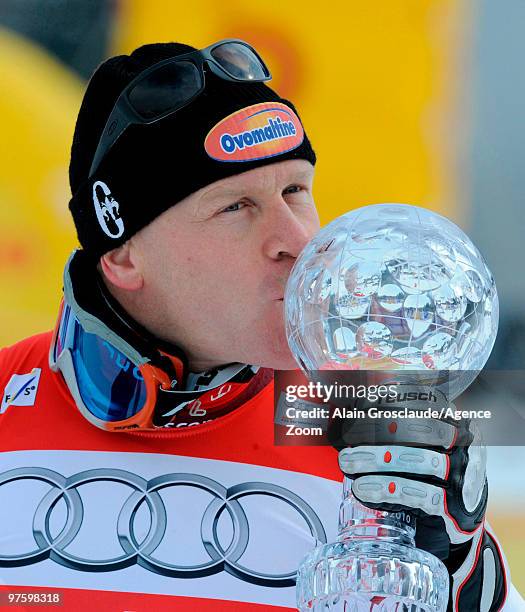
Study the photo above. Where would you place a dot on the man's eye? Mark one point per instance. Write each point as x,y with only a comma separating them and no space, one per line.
233,207
292,189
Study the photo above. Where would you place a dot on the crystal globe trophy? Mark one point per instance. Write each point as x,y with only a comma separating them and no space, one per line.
386,287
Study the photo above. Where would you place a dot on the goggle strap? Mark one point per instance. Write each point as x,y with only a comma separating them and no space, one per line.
91,323
175,369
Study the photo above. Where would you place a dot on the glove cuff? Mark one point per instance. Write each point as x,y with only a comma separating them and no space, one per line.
481,580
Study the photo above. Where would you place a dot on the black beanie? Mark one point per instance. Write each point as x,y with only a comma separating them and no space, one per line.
151,167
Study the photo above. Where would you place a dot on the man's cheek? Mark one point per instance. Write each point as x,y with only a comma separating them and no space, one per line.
315,224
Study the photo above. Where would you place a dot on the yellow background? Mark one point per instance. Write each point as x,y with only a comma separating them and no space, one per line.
374,87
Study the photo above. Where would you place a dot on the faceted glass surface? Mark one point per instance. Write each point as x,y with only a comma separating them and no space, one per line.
392,286
373,566
371,576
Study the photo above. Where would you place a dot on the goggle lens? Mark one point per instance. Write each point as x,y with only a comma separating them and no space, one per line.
111,387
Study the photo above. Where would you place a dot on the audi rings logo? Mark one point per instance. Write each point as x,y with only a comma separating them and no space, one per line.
143,553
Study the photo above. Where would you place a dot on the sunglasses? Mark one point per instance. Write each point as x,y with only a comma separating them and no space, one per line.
171,84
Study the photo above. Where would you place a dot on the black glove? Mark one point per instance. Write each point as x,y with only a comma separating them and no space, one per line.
435,470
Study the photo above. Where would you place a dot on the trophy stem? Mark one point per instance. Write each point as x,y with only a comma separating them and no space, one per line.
373,566
358,522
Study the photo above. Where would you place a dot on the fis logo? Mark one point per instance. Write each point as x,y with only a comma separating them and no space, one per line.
21,390
255,132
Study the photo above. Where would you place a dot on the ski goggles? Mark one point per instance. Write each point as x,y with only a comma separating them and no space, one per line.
109,389
119,384
171,84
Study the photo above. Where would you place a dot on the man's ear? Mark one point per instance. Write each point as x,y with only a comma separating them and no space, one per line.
122,267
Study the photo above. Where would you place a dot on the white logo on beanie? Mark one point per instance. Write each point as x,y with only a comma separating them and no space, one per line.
107,209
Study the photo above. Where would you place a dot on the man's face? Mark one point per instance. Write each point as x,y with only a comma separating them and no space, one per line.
215,265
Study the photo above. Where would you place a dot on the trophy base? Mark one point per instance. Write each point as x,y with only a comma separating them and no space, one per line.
358,575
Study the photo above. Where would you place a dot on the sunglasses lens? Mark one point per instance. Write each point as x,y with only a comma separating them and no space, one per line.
111,387
165,89
240,62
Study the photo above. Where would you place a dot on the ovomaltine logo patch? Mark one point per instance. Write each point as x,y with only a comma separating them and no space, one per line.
255,132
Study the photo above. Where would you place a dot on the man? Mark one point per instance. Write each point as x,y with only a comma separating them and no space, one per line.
192,198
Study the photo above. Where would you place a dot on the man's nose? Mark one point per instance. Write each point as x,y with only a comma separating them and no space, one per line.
287,233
